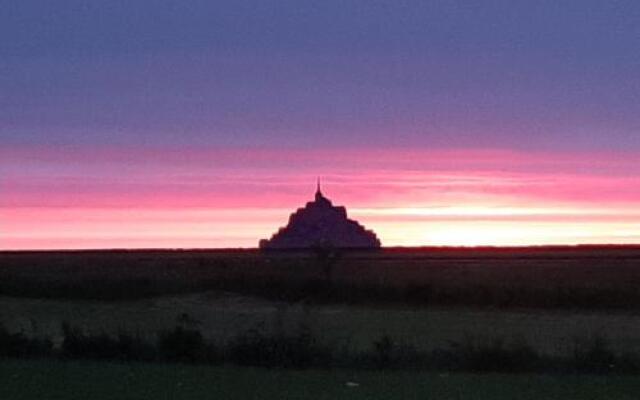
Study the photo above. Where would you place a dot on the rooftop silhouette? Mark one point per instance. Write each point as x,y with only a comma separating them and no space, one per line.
320,223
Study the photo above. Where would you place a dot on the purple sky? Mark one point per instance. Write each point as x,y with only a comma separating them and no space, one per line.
512,74
205,123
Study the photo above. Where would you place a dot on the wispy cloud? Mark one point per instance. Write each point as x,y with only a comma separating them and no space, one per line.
232,197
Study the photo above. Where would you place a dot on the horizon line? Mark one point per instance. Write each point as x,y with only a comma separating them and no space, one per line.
581,246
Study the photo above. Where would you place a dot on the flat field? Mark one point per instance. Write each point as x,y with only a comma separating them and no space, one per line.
223,317
144,292
27,380
590,277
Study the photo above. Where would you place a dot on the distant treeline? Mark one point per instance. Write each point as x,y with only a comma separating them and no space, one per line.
186,344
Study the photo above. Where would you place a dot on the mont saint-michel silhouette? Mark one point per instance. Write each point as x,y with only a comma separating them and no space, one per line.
320,223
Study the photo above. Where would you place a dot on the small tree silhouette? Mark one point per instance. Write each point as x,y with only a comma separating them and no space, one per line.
327,256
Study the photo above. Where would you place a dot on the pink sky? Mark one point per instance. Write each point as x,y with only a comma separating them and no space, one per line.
111,197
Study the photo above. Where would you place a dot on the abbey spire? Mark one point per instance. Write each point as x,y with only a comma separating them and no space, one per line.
318,191
321,223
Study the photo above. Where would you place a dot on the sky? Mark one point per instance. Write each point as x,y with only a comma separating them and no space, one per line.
205,123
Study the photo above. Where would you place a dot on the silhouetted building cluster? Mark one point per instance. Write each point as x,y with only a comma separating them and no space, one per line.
320,223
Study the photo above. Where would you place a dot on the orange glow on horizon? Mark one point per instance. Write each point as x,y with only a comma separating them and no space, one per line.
204,228
136,200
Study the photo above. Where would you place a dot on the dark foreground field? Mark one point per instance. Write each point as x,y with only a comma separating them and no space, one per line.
587,278
555,310
27,380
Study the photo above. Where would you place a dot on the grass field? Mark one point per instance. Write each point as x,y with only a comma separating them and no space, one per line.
224,316
27,380
569,278
595,292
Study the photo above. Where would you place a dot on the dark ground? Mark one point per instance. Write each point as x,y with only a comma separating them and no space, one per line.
562,277
26,380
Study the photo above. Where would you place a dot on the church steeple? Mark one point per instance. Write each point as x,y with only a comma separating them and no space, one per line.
320,199
318,192
320,223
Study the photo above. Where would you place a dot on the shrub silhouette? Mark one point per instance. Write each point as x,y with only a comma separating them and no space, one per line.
594,357
18,345
124,347
383,350
186,344
299,350
495,356
327,256
181,345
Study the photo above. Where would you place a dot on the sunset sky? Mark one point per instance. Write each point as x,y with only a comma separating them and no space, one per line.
205,123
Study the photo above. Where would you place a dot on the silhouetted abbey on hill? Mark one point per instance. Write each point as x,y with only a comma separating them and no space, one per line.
320,223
